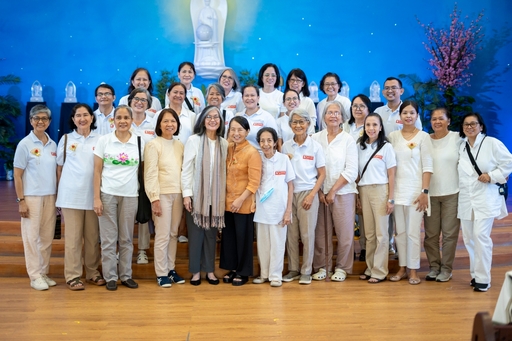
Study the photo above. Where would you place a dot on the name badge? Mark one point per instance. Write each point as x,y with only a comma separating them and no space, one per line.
308,157
280,173
258,124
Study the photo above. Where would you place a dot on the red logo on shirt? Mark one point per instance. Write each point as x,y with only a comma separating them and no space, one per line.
232,106
54,154
149,132
378,157
308,157
398,121
257,124
280,172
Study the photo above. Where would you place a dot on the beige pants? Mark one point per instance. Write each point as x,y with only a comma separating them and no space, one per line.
81,227
37,233
408,235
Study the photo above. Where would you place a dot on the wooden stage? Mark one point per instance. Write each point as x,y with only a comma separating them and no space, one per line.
352,310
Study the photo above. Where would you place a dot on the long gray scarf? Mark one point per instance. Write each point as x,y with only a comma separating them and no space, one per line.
202,189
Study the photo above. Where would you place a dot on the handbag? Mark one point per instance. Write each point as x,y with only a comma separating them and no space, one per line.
502,188
144,205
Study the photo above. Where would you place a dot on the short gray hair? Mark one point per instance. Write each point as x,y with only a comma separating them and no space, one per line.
344,115
299,112
40,108
217,87
123,106
139,91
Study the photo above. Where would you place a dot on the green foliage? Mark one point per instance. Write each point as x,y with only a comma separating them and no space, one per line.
9,79
248,78
161,86
430,96
9,110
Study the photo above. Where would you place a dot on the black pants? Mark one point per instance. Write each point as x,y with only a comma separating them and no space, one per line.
236,244
201,246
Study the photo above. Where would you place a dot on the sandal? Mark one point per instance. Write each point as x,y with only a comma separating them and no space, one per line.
339,275
414,281
321,274
240,280
374,280
364,277
98,280
75,284
397,278
228,278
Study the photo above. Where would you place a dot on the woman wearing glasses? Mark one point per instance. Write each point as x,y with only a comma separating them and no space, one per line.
298,81
36,185
291,100
331,86
271,99
337,196
141,78
231,85
308,162
480,201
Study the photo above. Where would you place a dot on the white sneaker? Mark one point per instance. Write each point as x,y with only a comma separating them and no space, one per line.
182,239
275,283
142,258
49,281
39,284
259,280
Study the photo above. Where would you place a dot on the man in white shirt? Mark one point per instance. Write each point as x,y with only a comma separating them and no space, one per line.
105,97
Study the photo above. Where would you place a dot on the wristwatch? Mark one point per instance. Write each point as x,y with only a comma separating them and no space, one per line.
19,199
391,201
424,190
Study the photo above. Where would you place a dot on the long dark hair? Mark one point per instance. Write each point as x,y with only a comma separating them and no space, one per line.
366,102
137,70
381,138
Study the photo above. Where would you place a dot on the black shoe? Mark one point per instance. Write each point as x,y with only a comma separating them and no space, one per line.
362,256
229,278
213,281
112,285
130,283
195,282
241,280
472,283
479,287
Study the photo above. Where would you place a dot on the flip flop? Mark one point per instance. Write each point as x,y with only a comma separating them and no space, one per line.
374,280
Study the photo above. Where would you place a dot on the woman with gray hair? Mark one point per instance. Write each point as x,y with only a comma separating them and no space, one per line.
231,85
35,181
203,183
308,162
215,95
337,197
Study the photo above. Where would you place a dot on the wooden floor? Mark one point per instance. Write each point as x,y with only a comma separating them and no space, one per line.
352,310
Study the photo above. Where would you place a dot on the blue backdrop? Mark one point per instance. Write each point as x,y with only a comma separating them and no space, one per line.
104,41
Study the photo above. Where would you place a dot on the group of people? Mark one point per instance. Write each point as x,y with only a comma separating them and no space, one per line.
250,160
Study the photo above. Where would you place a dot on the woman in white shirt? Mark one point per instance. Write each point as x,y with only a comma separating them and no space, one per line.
273,208
116,165
331,86
215,95
194,100
75,174
444,197
163,157
377,167
231,85
291,100
271,99
480,201
141,78
308,162
203,183
298,81
413,171
337,196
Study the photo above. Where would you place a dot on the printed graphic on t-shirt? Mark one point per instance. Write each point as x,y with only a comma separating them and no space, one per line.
121,159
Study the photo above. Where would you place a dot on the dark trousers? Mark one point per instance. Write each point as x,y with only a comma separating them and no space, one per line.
236,244
201,246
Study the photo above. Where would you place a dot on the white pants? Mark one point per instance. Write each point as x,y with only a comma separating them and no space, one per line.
408,235
478,242
143,236
271,245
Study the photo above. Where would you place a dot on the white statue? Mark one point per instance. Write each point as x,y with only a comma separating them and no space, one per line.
345,90
37,92
313,92
70,93
209,21
375,92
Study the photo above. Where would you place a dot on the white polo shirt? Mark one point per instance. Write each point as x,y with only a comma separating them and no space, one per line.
352,130
187,122
391,119
155,104
146,129
306,159
258,120
272,102
120,165
76,189
233,102
284,131
377,171
340,160
104,124
276,173
345,102
39,165
195,97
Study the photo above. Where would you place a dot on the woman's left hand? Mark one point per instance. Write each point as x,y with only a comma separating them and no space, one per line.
485,178
156,208
422,201
389,208
235,206
308,201
329,198
287,218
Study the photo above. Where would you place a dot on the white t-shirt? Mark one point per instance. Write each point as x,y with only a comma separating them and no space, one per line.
195,97
340,160
306,159
445,153
233,102
120,165
284,131
345,102
187,122
258,120
377,171
155,104
276,173
76,189
391,119
413,158
39,165
272,102
146,129
104,124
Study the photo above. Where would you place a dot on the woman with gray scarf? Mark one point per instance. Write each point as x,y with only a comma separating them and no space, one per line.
203,182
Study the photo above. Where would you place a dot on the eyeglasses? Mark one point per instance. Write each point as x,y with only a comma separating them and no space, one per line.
295,80
300,123
208,117
330,84
273,75
392,88
227,77
360,107
289,99
106,94
470,125
40,119
142,100
333,113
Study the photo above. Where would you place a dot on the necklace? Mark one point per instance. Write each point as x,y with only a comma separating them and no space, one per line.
409,135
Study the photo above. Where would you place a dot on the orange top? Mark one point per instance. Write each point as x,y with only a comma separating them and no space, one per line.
243,167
